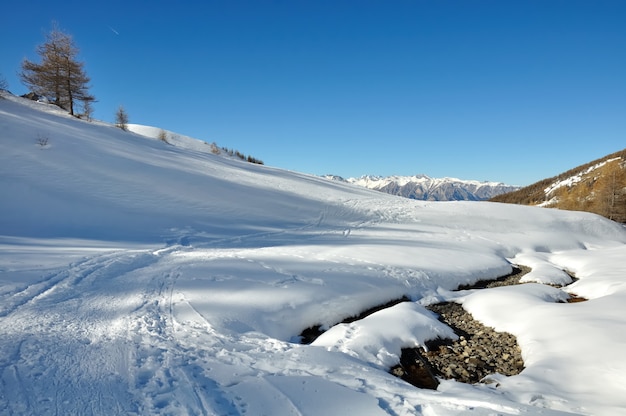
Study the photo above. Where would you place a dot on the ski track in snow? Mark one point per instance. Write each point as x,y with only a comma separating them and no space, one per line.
65,309
146,352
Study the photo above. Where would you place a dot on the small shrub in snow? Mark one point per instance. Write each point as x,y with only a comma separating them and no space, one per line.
163,136
3,86
121,118
42,140
255,160
214,149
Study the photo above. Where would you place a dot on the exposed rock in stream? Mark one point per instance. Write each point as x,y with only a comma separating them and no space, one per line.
575,298
509,280
478,352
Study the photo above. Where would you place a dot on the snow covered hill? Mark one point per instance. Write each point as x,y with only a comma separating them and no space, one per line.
425,188
140,277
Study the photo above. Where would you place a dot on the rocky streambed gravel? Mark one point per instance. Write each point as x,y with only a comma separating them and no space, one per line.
478,352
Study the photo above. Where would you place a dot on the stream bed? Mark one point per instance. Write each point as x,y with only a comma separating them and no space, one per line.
478,352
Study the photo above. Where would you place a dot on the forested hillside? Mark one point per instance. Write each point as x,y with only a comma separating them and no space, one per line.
598,186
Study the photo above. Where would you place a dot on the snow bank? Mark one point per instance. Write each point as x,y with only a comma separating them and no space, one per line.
379,338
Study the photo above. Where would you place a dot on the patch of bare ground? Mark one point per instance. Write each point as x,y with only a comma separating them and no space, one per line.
575,298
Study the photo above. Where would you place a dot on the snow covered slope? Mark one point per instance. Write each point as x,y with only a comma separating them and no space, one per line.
139,277
425,188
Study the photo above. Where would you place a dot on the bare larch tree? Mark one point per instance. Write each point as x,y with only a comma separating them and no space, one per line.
121,118
60,77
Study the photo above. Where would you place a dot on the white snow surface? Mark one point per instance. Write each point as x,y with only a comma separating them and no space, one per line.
139,277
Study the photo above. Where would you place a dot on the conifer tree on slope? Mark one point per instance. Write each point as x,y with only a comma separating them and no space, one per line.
60,77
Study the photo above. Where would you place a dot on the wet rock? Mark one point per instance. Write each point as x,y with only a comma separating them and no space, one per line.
508,280
414,369
575,298
480,351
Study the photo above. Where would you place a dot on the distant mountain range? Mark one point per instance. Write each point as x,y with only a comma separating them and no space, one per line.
425,188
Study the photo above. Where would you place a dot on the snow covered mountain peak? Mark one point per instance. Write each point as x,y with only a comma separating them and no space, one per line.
423,187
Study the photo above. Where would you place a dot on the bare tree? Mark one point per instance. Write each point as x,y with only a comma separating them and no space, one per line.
613,191
4,85
87,109
121,118
60,77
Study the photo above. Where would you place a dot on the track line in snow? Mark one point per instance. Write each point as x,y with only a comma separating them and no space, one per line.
166,378
62,285
11,301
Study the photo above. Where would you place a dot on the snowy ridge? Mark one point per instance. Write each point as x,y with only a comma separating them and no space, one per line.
175,139
423,187
139,277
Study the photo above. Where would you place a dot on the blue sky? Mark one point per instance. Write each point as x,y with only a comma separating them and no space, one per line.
501,90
